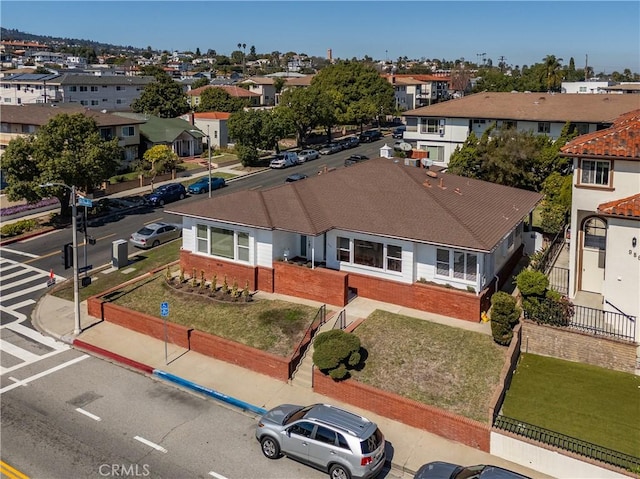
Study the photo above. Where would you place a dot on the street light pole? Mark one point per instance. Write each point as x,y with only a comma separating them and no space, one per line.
74,224
209,153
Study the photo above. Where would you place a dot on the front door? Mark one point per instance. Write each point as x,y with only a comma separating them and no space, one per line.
594,242
303,246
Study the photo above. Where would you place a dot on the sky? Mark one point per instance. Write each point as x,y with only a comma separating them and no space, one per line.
603,34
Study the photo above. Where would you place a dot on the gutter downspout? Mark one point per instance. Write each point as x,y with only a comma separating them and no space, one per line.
497,278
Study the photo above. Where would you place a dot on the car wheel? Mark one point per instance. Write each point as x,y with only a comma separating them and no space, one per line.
155,243
161,202
339,472
270,447
182,196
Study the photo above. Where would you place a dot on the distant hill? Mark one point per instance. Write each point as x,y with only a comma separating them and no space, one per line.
57,42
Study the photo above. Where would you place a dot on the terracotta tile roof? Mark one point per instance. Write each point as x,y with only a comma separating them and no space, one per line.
560,107
259,80
621,140
230,89
212,115
40,114
382,198
627,207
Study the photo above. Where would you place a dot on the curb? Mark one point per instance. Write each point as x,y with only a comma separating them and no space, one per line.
26,236
113,356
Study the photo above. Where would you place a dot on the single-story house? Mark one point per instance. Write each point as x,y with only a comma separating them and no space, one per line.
405,235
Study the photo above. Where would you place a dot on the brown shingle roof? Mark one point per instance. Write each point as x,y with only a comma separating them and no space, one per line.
559,107
40,114
381,198
621,140
299,81
627,207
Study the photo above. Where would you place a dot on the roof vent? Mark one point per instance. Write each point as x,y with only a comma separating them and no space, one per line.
426,184
441,184
457,190
432,174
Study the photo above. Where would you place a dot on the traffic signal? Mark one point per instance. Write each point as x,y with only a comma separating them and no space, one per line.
67,255
91,240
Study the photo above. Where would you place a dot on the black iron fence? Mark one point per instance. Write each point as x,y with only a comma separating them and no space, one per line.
550,254
298,354
341,320
559,279
568,443
562,313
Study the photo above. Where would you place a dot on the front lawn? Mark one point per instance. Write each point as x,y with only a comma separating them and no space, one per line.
446,367
594,404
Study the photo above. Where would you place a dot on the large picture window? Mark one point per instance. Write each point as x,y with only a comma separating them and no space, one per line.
595,172
369,253
222,242
464,264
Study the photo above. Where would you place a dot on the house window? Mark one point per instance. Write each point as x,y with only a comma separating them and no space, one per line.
73,88
222,243
510,240
202,236
6,100
394,258
595,234
544,127
582,89
509,124
368,253
84,102
429,125
94,88
127,131
83,88
435,153
595,172
479,121
119,101
243,246
95,102
215,133
344,250
120,88
464,264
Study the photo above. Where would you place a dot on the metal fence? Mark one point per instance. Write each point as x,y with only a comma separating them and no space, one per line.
298,354
341,320
568,443
559,279
551,253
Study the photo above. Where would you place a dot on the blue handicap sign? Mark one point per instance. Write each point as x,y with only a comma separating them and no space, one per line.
164,309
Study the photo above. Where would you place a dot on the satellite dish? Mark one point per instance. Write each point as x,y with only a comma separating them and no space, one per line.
404,146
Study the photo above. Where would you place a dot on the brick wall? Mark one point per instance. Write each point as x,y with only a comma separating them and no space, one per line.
209,345
319,284
238,272
265,279
437,421
578,347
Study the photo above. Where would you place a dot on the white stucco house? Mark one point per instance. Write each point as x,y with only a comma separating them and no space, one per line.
212,124
435,241
416,91
440,129
604,253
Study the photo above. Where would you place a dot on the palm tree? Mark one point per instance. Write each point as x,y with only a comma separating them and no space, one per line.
553,72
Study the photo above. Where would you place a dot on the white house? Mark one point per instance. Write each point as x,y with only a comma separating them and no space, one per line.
359,236
584,87
416,91
264,87
440,129
604,255
213,124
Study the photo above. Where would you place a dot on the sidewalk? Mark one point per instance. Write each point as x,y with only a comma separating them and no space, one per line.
252,391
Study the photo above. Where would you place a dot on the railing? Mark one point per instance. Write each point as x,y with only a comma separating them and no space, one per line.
568,443
551,253
298,354
559,279
341,320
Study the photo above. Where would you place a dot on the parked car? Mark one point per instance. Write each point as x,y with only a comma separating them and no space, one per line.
295,177
350,142
353,159
308,155
166,193
369,136
398,132
284,160
202,185
334,440
330,149
445,470
155,234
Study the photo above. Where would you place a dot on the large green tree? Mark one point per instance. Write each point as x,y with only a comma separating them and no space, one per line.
162,97
305,109
69,150
255,130
216,99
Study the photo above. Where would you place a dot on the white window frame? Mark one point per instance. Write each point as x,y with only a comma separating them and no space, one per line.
391,261
241,248
128,131
594,175
469,272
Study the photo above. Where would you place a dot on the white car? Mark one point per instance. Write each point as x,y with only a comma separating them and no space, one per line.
283,160
308,155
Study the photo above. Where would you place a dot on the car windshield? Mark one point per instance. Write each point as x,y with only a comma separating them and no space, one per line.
145,231
295,415
471,472
372,443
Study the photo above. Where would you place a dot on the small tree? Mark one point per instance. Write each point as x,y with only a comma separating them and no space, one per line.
335,352
157,159
505,314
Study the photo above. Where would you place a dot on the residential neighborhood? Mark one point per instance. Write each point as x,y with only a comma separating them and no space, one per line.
445,308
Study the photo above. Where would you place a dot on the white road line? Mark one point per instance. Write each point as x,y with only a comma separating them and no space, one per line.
22,304
216,475
6,297
28,279
19,272
15,251
36,336
19,381
8,310
88,414
150,444
13,350
44,373
4,371
27,267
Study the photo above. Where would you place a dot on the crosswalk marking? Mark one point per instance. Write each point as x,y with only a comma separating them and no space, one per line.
18,352
36,336
17,294
22,253
43,373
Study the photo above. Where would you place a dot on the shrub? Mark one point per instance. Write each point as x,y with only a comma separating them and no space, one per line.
532,283
505,314
19,227
335,351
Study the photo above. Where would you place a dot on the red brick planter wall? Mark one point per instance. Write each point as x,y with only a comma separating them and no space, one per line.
319,284
238,272
265,279
437,421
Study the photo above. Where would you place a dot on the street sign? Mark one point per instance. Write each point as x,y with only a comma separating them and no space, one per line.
82,201
164,309
82,269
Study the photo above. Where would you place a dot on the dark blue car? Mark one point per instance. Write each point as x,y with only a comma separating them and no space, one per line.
166,193
202,185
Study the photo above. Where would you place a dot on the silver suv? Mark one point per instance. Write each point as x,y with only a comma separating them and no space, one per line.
326,437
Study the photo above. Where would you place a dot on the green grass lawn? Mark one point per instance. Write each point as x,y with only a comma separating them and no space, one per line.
447,367
597,405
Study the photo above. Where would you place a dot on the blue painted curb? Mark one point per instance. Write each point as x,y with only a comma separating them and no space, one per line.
209,392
